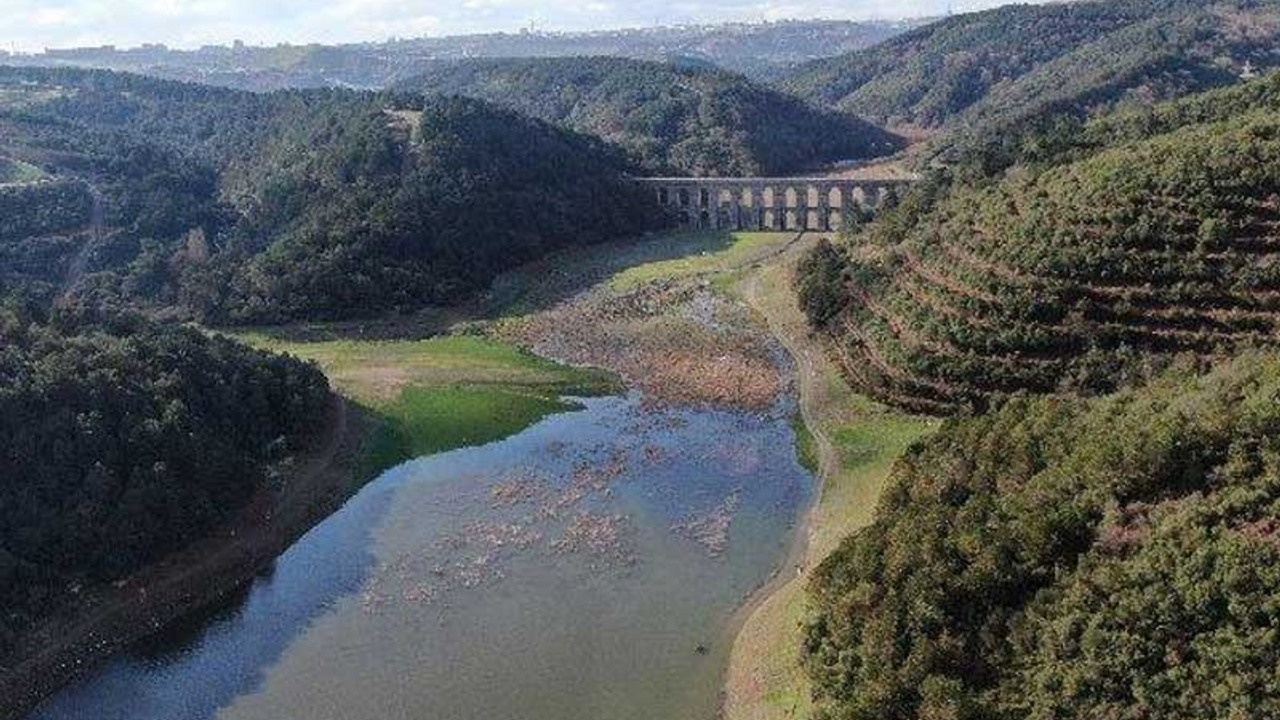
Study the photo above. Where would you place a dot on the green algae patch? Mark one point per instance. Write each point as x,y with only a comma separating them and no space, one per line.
446,392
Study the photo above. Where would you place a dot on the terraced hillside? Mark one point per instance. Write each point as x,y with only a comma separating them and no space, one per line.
1158,234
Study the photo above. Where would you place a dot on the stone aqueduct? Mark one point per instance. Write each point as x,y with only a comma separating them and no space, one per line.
757,203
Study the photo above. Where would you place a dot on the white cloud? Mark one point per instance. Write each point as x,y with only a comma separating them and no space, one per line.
35,24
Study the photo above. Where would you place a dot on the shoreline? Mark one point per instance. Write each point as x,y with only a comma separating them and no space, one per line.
797,556
193,579
763,679
111,618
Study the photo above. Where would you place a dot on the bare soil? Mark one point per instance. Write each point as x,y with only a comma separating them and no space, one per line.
677,339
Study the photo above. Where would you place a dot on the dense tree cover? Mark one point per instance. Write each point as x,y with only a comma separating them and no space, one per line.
1057,138
820,284
43,208
122,442
231,206
1063,558
382,224
1151,233
678,119
978,73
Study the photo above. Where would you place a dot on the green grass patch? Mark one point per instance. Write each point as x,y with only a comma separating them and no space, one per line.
888,434
443,393
17,172
425,421
806,444
707,253
868,444
375,372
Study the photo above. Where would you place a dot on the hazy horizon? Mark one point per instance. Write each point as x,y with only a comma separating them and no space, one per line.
36,25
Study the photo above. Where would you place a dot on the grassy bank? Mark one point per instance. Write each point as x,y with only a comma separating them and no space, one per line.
706,253
17,172
443,393
807,451
854,442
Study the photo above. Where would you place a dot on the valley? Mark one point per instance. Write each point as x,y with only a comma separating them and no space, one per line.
479,390
834,370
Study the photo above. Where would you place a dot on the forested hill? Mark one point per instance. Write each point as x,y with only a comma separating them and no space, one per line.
1067,558
122,443
669,118
233,207
1090,288
984,70
1148,233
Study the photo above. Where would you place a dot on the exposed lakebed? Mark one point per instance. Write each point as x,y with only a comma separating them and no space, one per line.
587,567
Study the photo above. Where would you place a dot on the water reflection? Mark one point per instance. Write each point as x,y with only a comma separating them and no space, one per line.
582,569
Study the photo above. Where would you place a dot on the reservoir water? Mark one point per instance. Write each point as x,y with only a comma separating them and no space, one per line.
585,569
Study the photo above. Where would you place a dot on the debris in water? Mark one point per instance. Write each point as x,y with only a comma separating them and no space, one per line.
595,533
711,530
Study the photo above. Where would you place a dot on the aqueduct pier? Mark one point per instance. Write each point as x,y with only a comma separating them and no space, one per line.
760,203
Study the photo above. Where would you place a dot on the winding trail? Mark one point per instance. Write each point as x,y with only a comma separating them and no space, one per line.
764,680
755,670
97,232
802,350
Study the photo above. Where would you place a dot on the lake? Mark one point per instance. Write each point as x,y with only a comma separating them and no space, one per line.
587,568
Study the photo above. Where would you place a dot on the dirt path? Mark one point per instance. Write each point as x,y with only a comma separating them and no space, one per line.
802,351
97,231
66,646
754,668
764,680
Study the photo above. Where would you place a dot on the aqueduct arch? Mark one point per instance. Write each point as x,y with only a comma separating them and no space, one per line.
760,203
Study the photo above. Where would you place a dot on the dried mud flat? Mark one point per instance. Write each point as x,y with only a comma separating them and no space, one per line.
677,341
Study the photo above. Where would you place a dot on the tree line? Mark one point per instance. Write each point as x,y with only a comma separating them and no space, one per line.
123,441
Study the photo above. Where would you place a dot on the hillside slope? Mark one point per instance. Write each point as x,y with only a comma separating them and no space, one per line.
669,118
1156,232
121,444
982,71
1067,558
232,206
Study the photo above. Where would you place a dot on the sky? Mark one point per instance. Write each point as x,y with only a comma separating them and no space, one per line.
33,25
